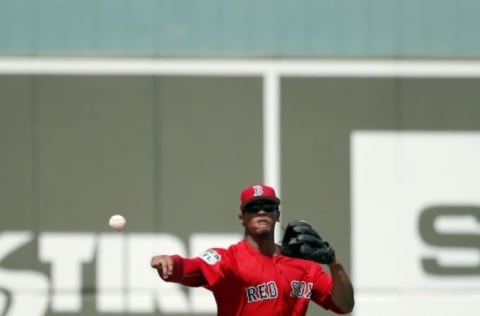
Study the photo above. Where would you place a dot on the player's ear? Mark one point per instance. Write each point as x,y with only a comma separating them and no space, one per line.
240,218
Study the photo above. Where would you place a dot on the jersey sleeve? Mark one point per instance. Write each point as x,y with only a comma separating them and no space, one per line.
322,290
186,271
208,269
214,264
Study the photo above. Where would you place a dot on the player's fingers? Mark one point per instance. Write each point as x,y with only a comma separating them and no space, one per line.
167,268
157,261
154,262
163,264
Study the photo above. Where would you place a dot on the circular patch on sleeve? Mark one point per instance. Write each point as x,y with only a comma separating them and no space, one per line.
210,256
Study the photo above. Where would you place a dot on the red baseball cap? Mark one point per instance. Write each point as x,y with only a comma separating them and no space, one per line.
258,192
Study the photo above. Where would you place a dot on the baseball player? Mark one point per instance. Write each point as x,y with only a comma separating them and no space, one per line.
256,276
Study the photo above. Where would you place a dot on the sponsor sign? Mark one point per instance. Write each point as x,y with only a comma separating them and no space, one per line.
124,280
416,223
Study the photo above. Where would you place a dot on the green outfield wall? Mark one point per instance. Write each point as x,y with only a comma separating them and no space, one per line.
172,153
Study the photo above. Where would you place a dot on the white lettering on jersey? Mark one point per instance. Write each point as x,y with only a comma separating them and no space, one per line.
262,291
301,289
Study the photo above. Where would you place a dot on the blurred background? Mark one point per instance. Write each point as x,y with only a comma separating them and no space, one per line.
365,116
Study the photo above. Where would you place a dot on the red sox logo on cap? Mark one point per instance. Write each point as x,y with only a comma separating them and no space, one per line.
257,190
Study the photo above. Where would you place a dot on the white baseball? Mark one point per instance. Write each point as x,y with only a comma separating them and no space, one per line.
117,222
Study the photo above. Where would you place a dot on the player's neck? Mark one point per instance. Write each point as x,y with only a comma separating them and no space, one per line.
265,244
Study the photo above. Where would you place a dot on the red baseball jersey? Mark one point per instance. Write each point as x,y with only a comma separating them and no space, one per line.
246,282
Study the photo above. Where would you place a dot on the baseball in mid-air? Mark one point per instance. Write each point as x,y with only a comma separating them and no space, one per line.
117,222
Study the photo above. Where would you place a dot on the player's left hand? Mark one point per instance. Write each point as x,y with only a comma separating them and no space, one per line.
300,240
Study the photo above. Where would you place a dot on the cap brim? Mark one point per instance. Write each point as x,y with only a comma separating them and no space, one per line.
260,198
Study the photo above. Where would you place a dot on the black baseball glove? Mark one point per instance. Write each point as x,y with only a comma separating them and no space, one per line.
300,240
